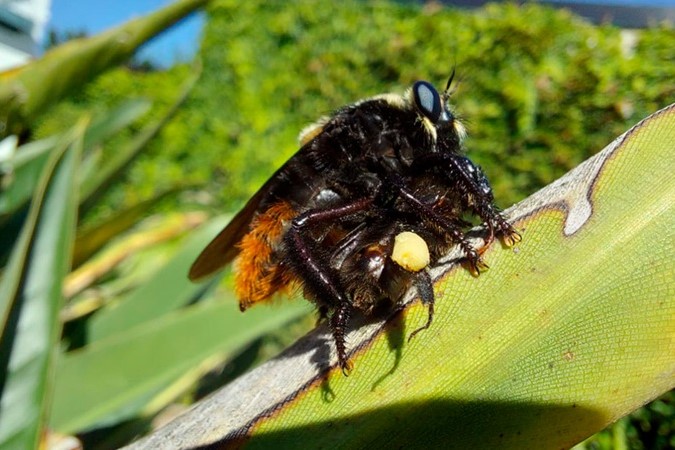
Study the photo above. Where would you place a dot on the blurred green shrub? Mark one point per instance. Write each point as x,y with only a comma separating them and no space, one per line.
540,89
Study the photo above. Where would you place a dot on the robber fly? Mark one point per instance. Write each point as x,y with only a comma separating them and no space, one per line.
329,218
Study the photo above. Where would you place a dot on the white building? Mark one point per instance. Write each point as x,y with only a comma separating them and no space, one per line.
22,27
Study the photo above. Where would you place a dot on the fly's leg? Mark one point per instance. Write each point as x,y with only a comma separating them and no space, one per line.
476,264
309,261
473,182
338,323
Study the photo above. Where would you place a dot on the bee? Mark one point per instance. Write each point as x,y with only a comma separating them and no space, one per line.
330,220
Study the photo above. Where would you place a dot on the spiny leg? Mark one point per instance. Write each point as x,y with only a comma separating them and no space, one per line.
425,290
497,226
476,264
483,204
307,260
474,183
324,287
507,232
338,323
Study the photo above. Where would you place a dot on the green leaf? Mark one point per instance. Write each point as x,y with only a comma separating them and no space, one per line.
92,239
30,298
26,163
23,169
31,89
567,332
94,384
167,290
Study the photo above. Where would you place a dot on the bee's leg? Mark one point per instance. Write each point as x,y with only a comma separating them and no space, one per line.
308,260
476,264
476,183
473,181
322,314
425,290
488,240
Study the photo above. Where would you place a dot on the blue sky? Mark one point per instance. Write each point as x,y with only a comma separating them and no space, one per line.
181,42
178,43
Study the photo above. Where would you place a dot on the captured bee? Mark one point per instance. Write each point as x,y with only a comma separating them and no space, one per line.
331,219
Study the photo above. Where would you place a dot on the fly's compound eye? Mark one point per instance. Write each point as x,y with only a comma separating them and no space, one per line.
428,100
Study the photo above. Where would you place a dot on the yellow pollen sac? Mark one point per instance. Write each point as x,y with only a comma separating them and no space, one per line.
410,251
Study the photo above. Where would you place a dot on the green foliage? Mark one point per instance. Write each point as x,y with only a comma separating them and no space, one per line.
540,90
95,342
155,170
25,92
30,297
651,427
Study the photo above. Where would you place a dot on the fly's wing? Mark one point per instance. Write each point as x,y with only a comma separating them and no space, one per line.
222,249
